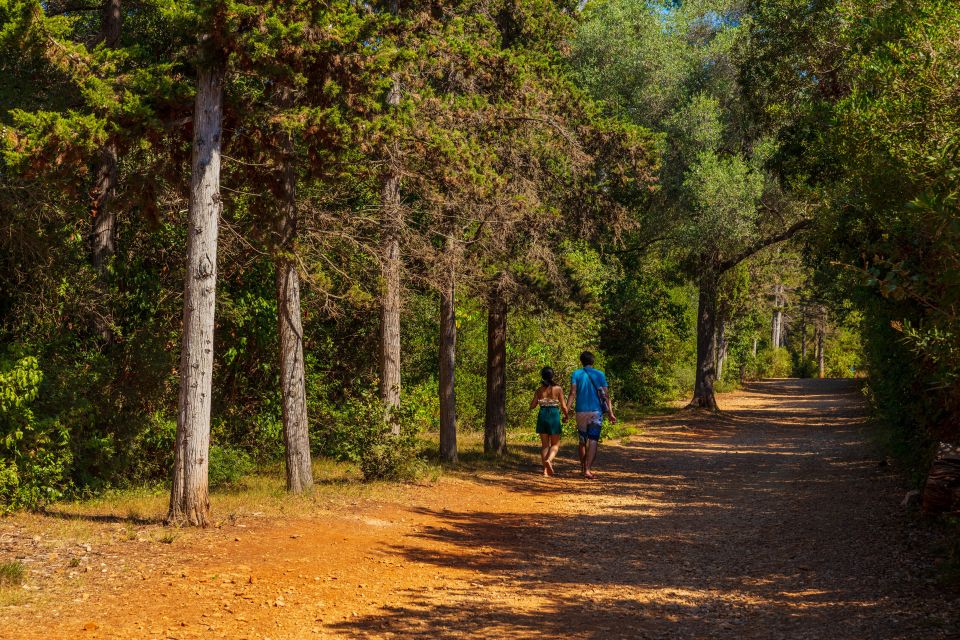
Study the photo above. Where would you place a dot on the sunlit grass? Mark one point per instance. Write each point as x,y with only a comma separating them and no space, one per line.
263,493
11,573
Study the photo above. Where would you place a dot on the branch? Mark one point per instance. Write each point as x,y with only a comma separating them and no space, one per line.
560,129
73,8
763,243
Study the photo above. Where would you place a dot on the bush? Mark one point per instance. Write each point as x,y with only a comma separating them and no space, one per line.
807,368
356,431
772,363
34,452
227,466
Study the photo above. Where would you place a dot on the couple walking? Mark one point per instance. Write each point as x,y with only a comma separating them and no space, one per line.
590,396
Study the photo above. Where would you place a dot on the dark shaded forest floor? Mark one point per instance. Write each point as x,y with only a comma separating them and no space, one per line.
772,520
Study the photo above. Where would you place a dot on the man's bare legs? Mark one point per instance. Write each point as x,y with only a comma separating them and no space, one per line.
588,455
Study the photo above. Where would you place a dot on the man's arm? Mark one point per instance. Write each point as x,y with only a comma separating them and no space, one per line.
609,401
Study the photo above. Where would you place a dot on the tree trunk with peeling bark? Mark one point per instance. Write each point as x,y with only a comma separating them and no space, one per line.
296,435
448,352
392,223
189,497
495,420
703,392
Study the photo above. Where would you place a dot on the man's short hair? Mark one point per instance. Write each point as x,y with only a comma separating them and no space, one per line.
586,359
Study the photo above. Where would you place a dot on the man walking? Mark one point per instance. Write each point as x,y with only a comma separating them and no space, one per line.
589,387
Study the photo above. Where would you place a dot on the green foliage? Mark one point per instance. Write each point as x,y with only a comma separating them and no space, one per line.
770,363
34,452
227,466
355,430
648,335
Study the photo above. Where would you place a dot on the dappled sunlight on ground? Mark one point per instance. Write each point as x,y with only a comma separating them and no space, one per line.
770,520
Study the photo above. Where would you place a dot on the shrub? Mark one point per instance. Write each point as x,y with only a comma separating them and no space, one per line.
807,368
773,363
355,430
227,466
34,452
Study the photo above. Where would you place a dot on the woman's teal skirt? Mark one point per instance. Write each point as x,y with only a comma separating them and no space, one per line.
548,421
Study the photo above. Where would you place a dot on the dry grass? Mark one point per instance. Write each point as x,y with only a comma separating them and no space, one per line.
141,511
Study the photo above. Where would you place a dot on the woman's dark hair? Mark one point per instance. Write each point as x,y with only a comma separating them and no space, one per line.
586,359
546,376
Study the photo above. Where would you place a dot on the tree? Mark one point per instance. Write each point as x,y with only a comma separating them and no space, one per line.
721,205
189,495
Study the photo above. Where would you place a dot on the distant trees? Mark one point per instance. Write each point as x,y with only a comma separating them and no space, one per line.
849,135
718,205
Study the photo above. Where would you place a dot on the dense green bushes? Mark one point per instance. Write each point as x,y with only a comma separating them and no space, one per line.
34,451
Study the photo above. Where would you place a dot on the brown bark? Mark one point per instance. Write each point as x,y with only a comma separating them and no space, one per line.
820,355
102,216
296,434
776,337
495,420
390,302
722,344
189,497
448,351
703,393
803,339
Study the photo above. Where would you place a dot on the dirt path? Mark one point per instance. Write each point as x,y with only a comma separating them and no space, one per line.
772,521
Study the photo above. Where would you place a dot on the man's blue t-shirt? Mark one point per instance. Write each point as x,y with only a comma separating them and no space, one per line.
587,399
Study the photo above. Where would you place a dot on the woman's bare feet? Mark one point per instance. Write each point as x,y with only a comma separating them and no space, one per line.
589,475
548,468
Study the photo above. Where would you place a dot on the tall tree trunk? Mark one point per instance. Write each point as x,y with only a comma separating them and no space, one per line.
189,498
755,347
296,434
803,338
703,394
448,352
776,338
102,216
721,347
390,302
820,354
495,420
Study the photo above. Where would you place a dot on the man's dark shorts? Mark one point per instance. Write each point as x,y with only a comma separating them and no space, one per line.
589,425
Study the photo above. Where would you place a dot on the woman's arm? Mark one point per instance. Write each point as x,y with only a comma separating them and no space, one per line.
536,397
563,403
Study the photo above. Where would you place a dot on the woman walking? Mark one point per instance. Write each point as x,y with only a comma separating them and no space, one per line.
549,397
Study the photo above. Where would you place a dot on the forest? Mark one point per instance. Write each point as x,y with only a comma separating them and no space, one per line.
245,235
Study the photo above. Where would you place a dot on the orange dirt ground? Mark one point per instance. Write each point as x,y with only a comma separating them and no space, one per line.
771,520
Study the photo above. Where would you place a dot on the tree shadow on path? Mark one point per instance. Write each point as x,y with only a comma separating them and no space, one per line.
771,521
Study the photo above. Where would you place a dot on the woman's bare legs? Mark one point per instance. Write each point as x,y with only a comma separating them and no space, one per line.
544,452
552,453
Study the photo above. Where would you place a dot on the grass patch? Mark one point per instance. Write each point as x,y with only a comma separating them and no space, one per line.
168,537
11,573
